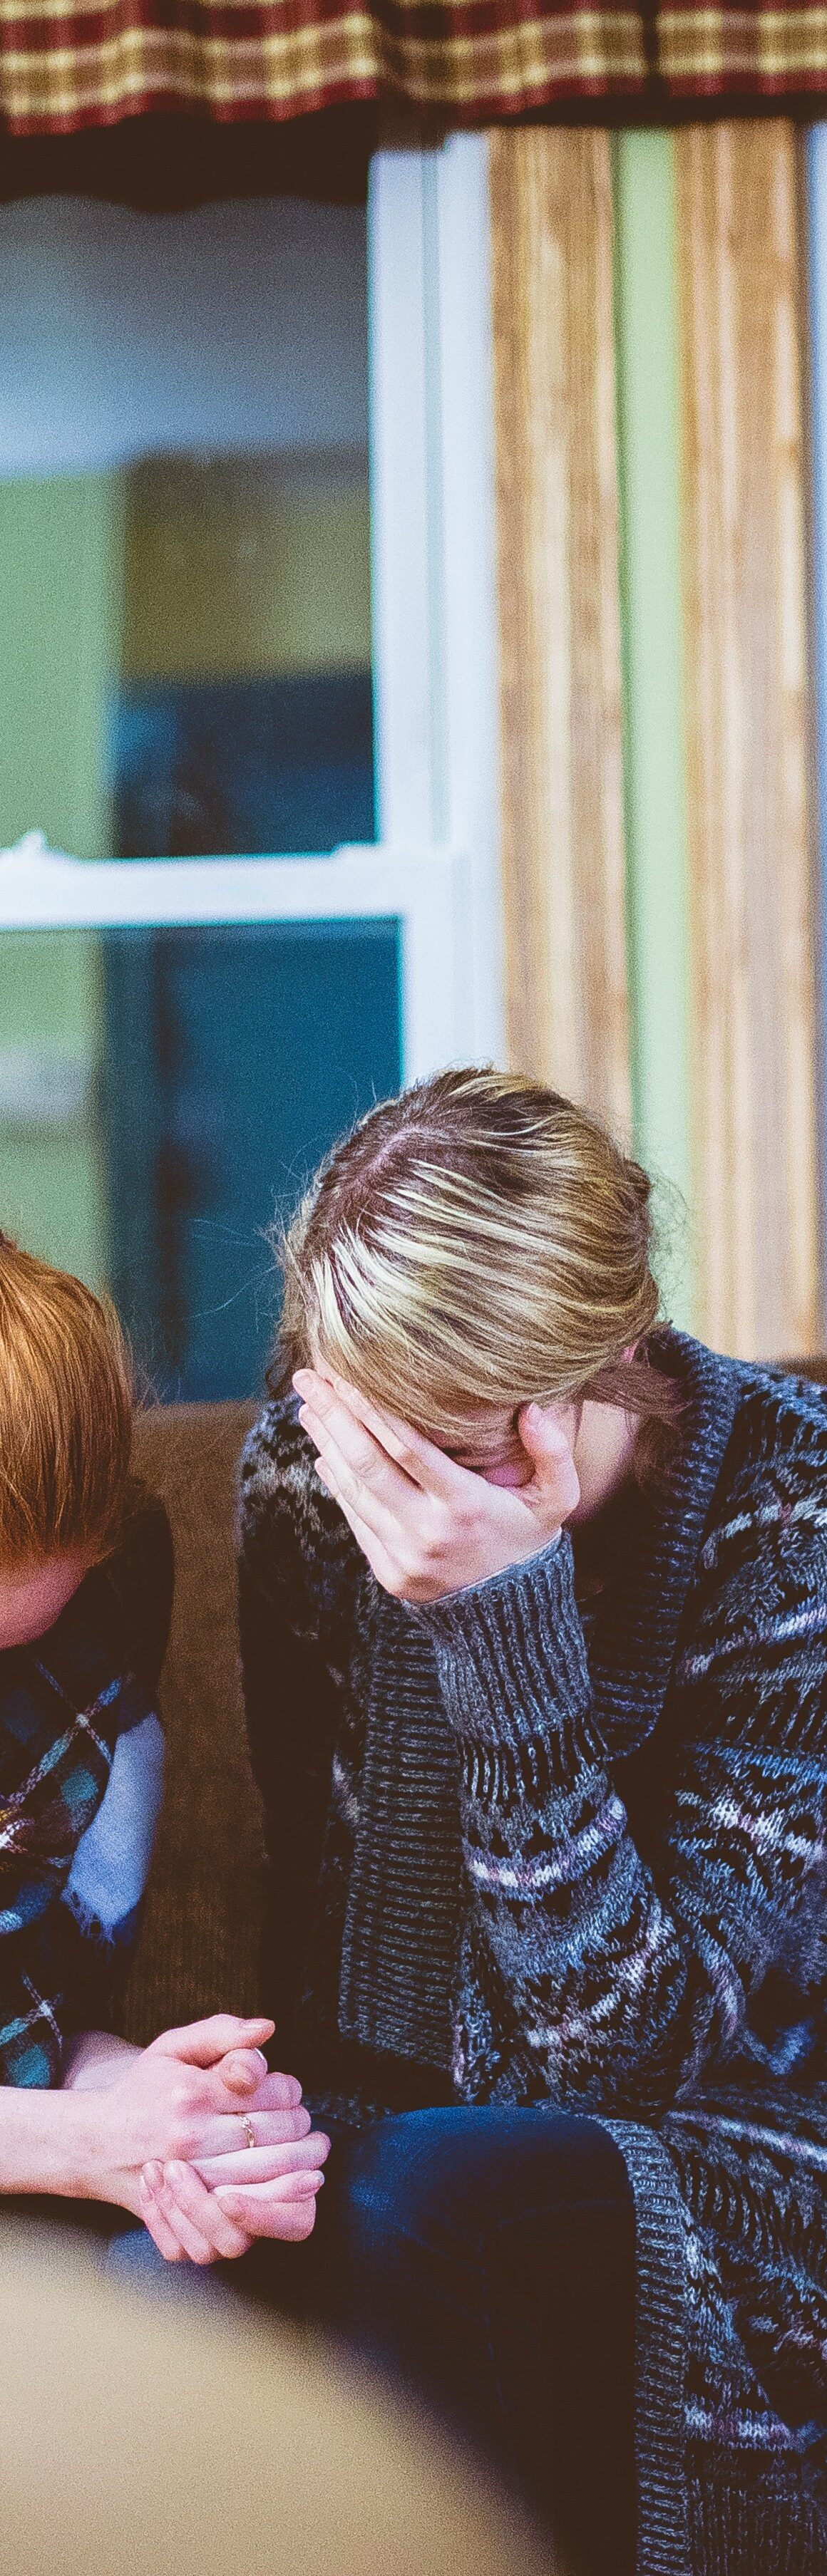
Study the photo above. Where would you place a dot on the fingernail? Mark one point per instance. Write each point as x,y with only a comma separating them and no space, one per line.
152,2178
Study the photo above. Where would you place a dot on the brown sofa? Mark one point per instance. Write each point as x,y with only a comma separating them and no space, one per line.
197,1950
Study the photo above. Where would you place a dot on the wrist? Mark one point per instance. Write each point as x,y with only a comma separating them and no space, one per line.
511,1651
95,2060
91,2168
487,1585
65,2158
55,2142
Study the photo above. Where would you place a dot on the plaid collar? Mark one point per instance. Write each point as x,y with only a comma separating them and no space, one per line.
64,1702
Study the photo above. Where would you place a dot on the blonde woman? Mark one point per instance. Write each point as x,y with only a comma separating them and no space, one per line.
534,1620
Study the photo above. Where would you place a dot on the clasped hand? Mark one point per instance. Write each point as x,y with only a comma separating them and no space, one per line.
427,1525
210,2150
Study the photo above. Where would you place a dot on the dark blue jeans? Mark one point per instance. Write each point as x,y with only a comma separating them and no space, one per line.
486,2259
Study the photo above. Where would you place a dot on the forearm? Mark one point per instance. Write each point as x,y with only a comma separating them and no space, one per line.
179,2100
623,1983
609,1994
51,2140
47,2143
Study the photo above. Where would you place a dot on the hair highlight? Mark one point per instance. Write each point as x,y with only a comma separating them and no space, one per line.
477,1241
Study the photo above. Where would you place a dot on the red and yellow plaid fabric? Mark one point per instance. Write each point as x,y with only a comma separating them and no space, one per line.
66,68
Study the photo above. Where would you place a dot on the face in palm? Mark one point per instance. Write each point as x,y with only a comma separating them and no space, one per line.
431,1520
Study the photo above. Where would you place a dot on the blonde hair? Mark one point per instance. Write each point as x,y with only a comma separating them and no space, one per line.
477,1241
66,1413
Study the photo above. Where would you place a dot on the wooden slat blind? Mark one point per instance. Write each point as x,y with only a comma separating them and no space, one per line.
562,808
649,477
751,896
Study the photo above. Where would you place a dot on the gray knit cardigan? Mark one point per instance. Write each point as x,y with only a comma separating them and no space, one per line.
579,1846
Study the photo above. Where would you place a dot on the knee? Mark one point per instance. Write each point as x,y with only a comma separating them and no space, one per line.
431,2178
132,2250
398,2219
403,2179
445,2179
386,2185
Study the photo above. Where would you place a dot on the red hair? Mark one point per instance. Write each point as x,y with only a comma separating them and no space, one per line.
66,1415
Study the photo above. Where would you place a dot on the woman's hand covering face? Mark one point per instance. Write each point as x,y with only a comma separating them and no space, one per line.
427,1525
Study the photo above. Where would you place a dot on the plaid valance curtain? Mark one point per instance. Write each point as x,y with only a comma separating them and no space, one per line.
65,69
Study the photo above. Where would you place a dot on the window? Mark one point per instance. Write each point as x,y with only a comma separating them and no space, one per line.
275,929
184,528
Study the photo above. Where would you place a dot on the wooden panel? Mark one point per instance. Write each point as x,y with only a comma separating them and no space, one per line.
751,880
649,477
562,815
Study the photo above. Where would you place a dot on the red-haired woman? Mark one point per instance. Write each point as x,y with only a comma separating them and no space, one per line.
85,1594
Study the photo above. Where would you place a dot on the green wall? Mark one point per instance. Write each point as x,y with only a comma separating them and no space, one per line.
60,557
51,1178
227,580
60,617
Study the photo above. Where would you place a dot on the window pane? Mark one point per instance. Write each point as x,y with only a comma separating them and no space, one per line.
184,528
165,1095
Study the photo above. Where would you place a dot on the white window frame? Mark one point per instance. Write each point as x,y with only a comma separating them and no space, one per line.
434,865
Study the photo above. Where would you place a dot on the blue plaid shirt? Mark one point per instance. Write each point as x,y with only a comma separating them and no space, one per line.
81,1766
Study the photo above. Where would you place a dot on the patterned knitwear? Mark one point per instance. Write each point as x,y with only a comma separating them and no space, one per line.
639,1920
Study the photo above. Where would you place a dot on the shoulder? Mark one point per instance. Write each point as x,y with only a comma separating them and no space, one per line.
280,1500
275,1466
109,1642
295,1547
774,1473
761,1579
140,1581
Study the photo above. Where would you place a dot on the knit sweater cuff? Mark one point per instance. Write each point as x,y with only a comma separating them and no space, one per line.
511,1651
